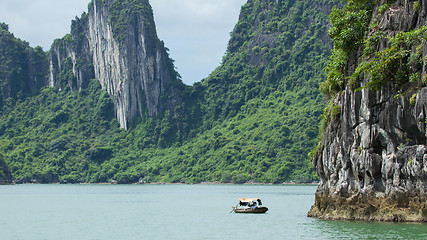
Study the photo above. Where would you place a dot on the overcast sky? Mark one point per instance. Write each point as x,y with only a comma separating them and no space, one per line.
195,31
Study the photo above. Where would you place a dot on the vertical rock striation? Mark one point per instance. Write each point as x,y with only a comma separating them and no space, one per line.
70,61
372,160
116,43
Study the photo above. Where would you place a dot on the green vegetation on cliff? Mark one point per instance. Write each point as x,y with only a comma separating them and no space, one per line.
269,82
123,13
5,175
255,118
353,29
350,24
58,135
23,69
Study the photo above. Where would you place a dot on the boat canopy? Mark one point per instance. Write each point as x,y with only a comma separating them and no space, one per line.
246,201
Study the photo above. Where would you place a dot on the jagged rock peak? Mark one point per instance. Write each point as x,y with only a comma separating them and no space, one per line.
116,43
372,160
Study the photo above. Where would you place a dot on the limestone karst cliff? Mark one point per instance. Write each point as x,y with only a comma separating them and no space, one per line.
372,160
116,43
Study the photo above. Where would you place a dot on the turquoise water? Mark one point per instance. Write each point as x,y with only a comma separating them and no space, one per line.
174,212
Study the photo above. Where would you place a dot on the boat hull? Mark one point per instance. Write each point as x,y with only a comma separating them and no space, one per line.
250,210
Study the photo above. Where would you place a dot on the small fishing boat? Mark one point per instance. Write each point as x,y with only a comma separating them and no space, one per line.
249,205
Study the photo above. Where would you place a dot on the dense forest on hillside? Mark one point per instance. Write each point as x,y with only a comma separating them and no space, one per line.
22,69
254,118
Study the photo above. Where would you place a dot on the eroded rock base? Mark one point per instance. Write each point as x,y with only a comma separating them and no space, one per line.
370,207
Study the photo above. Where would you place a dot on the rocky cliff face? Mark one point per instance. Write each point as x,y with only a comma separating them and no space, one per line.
70,60
372,160
116,43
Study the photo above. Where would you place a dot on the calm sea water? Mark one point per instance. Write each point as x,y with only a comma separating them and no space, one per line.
174,212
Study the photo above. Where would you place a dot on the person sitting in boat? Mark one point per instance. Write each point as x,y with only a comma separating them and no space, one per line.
253,205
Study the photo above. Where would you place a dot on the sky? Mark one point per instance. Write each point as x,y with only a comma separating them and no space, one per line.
196,32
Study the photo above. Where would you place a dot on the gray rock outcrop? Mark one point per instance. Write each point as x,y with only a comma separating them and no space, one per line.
124,54
372,160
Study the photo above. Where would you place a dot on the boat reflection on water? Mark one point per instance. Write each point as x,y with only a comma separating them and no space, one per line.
249,205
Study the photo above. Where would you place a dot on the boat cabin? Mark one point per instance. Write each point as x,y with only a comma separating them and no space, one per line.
249,205
250,202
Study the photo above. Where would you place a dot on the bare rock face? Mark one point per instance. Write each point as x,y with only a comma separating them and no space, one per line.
70,61
372,160
116,43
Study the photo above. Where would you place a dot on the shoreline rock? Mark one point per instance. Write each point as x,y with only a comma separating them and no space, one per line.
370,207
